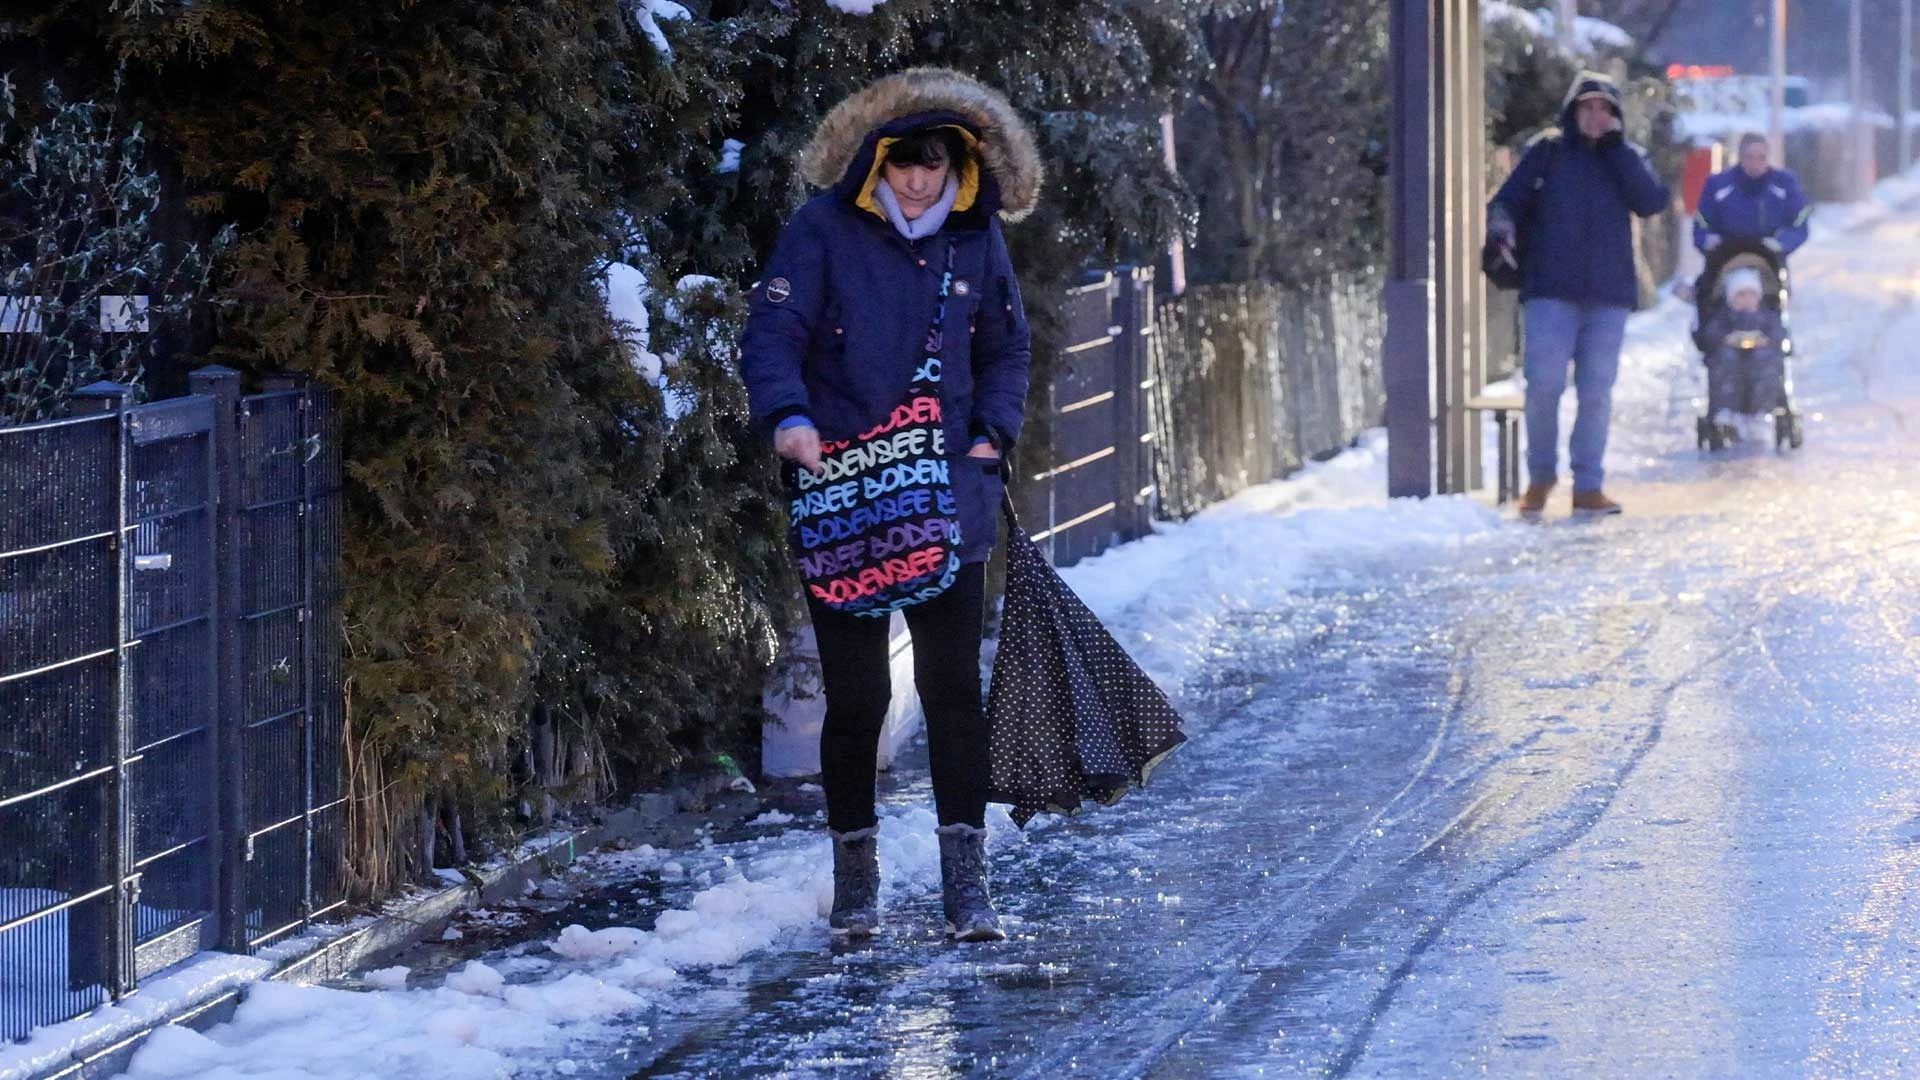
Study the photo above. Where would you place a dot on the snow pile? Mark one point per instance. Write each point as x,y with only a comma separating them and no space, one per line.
1168,595
440,1034
493,1015
390,978
54,1045
1591,37
855,7
1889,195
730,156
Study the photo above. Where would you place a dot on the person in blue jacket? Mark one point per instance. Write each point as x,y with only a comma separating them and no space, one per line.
1569,208
913,165
1752,201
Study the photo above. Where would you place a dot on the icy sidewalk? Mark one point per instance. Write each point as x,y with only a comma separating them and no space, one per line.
555,1007
552,1007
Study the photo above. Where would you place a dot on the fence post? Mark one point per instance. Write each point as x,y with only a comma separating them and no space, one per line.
305,452
222,384
100,399
1130,383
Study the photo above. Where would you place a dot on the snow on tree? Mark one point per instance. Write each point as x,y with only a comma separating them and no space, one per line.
86,289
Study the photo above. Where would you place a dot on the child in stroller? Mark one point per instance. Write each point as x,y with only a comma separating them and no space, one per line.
1742,334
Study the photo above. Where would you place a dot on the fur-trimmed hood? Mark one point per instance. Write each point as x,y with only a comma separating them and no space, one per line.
841,154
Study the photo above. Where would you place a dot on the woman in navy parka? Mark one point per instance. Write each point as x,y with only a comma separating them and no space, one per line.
839,323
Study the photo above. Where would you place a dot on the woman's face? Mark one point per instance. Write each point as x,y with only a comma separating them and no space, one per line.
917,187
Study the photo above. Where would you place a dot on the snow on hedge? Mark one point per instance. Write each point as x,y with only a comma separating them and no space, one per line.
651,13
1591,37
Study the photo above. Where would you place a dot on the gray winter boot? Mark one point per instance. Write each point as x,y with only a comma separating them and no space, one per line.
856,882
963,885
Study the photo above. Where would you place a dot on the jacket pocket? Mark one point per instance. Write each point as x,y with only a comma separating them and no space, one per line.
982,532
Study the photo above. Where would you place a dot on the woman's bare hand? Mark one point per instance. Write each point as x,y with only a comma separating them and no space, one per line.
801,445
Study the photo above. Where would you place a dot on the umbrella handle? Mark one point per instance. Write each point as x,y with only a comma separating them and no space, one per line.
1006,507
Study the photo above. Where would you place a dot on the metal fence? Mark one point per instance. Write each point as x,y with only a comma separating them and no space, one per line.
170,714
1089,485
1163,408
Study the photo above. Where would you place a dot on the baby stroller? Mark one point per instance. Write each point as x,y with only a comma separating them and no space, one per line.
1752,381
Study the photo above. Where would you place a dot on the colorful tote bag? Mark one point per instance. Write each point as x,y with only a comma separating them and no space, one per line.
878,529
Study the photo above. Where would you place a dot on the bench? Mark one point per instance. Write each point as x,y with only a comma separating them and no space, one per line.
1508,410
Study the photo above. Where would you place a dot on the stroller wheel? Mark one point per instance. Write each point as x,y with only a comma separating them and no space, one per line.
1796,435
1702,432
1782,428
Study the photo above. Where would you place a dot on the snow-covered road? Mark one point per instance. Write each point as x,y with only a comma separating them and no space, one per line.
1633,798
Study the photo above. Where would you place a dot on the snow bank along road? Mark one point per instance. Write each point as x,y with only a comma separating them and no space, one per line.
1626,799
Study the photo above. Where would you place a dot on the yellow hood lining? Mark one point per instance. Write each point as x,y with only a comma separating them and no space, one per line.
969,175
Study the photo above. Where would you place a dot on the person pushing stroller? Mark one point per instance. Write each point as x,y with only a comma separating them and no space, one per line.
1752,217
1751,201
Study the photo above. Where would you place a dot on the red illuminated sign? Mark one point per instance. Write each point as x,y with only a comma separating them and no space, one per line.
1699,71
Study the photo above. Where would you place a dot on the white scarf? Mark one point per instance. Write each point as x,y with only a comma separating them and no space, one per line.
926,224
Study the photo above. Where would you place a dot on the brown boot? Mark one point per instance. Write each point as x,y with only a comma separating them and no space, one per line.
1534,502
1594,502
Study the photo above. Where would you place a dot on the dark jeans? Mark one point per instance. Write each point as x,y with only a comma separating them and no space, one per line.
854,668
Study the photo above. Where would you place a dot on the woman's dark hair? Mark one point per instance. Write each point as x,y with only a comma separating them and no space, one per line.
931,146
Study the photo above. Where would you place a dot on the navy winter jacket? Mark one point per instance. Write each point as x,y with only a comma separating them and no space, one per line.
1741,207
839,320
1573,202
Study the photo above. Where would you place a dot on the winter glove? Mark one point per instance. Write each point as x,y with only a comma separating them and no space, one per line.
1610,140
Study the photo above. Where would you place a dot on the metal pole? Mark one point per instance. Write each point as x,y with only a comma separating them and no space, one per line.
1407,363
1857,92
116,398
1446,244
1777,119
1473,211
222,384
1906,86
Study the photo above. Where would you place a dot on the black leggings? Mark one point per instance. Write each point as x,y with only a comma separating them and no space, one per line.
854,668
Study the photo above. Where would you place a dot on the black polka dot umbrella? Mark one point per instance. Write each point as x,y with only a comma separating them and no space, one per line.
1073,718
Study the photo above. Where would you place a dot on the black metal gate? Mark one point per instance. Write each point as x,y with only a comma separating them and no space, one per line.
140,601
1093,486
291,729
